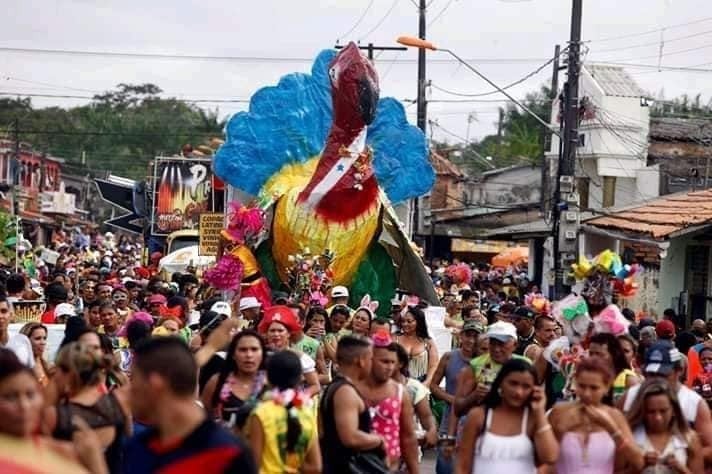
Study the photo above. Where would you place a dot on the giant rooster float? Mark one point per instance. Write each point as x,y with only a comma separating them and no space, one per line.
328,157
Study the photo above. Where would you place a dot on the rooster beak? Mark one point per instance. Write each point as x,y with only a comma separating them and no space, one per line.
367,99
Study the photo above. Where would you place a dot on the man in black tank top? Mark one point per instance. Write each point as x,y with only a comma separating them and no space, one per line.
346,422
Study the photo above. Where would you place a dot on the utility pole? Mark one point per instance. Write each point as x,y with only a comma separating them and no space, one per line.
500,122
370,48
422,104
546,137
566,232
417,208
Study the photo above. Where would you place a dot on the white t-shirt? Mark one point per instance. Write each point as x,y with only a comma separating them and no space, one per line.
308,364
21,346
689,401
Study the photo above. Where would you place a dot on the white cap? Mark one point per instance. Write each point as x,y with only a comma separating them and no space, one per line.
221,307
502,331
36,286
64,309
339,292
249,302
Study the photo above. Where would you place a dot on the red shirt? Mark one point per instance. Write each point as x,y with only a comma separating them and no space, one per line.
48,317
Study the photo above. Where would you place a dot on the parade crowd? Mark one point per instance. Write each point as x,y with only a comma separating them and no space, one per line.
160,373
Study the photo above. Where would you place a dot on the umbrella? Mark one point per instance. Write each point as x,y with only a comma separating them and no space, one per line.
511,256
181,259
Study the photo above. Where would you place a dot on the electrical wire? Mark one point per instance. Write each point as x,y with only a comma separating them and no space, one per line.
258,59
380,22
440,13
466,142
358,22
164,133
508,86
55,86
657,30
654,66
671,53
654,43
61,96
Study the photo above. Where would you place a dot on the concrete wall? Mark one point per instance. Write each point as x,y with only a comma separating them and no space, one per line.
516,186
672,273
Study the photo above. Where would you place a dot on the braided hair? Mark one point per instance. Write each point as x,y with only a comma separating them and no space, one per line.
284,372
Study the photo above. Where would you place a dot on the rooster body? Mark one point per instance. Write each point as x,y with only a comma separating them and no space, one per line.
331,200
338,209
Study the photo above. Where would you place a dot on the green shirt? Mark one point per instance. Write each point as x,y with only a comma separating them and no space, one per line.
307,345
486,370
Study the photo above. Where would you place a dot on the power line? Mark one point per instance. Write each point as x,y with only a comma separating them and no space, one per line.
358,22
671,53
262,59
441,12
508,86
10,78
61,96
655,66
172,133
657,30
654,43
380,22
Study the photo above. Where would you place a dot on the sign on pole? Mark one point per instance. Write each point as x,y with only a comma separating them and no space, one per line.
182,192
211,223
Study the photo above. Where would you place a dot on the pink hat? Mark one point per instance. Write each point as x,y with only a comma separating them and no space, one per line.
157,299
137,316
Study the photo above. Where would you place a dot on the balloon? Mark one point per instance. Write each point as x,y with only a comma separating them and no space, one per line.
582,269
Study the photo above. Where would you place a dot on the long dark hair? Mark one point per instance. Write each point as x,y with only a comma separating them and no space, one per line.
403,359
284,371
230,366
421,326
493,398
318,310
614,349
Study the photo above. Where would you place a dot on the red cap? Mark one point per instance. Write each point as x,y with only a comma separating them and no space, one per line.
281,314
665,329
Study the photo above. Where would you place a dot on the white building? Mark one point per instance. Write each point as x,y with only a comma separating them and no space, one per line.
613,140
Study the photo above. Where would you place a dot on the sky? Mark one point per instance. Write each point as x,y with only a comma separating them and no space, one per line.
503,39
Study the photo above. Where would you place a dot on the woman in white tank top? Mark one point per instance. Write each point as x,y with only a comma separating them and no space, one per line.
510,430
662,432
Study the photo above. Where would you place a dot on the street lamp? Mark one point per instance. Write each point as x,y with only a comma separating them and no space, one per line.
424,44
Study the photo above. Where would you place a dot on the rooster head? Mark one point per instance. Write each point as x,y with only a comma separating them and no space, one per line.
354,87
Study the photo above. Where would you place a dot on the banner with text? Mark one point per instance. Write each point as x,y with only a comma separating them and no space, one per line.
182,192
211,223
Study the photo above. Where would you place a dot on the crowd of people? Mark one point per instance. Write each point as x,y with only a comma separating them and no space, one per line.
161,373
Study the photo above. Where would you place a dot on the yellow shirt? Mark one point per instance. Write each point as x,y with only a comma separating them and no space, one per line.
273,417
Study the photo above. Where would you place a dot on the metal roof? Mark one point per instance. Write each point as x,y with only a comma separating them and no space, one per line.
615,81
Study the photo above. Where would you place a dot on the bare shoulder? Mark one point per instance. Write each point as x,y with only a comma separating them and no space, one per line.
561,413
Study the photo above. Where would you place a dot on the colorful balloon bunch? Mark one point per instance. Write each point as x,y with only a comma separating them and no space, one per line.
610,265
572,314
537,302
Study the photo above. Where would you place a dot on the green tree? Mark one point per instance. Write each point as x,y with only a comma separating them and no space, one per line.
119,131
683,106
520,143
